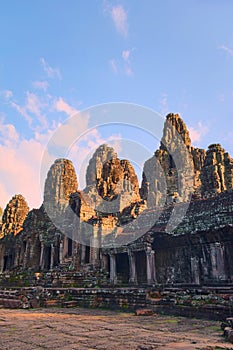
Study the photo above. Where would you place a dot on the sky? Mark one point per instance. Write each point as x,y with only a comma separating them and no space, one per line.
62,57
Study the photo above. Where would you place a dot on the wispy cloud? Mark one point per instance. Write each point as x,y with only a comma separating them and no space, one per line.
123,63
126,56
50,71
6,94
33,110
114,65
128,71
119,17
8,133
226,49
41,85
61,106
197,132
23,157
163,105
22,111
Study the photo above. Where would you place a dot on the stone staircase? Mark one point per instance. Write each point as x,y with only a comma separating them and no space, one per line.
13,299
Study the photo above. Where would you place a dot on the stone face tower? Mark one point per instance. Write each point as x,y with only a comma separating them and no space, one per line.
175,165
60,183
14,215
94,172
217,172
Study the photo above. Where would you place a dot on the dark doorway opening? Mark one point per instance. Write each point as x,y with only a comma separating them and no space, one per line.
122,268
5,263
70,247
141,270
47,257
87,254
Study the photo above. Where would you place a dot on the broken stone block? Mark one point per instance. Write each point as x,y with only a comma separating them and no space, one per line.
144,312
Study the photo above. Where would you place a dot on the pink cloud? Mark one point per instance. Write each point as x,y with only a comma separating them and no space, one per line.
34,106
7,94
196,133
8,133
61,106
123,64
126,55
41,85
113,65
128,71
119,17
226,49
21,110
21,172
50,71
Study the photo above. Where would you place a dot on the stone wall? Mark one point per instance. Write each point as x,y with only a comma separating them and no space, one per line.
202,259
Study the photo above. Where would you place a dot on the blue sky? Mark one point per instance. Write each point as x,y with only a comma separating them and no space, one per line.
60,56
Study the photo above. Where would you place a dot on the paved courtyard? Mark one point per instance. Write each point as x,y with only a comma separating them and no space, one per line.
78,328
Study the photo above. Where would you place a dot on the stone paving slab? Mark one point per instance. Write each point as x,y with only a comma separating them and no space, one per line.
86,329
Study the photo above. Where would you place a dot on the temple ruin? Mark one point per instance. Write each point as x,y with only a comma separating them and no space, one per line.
176,228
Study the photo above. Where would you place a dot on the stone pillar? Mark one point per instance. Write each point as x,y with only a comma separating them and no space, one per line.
17,256
154,279
113,275
26,255
95,249
150,266
31,261
42,256
52,257
104,263
2,257
76,255
132,268
61,252
65,247
83,254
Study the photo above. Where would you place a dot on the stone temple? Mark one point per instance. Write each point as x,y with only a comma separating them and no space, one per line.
175,228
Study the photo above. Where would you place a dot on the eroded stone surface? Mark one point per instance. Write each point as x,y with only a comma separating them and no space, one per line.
95,329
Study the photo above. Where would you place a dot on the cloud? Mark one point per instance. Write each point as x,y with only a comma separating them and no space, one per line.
113,64
123,64
21,110
164,108
126,55
41,85
20,173
61,106
226,49
34,110
119,17
128,71
8,133
6,94
196,133
50,71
